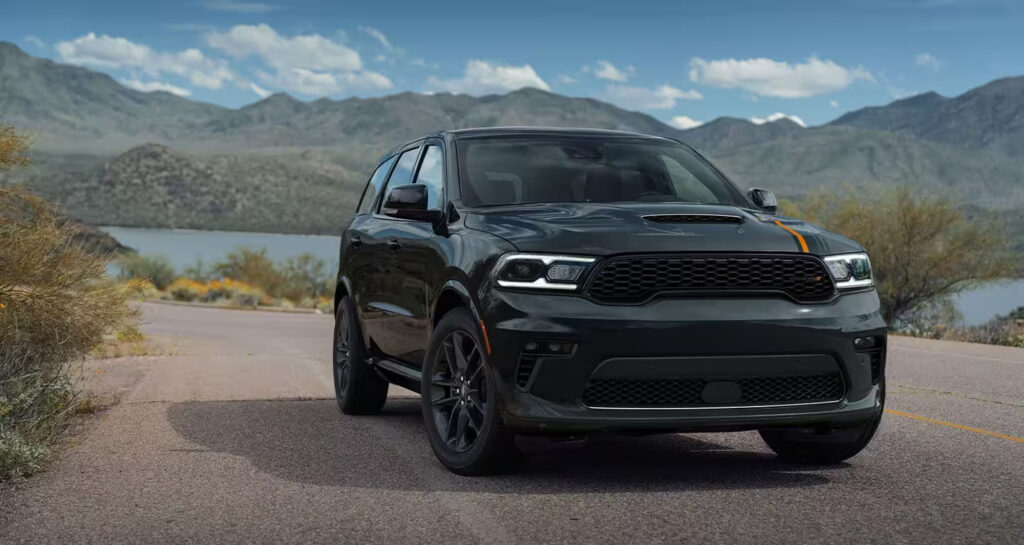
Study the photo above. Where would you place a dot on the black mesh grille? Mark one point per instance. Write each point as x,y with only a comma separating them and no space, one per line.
687,392
877,361
693,218
633,279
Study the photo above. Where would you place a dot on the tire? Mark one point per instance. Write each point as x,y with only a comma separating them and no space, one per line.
357,387
832,447
460,404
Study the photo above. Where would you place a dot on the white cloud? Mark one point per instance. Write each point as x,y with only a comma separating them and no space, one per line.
833,103
481,78
310,51
663,97
566,78
263,93
34,40
424,64
110,52
311,82
608,71
927,60
379,36
773,78
239,7
150,86
308,64
777,116
685,122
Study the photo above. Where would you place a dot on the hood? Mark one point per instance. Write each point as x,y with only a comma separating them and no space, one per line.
613,228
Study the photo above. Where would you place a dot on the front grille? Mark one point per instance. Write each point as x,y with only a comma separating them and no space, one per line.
634,279
693,218
687,392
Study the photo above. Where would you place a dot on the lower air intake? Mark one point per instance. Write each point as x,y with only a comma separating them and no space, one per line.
688,392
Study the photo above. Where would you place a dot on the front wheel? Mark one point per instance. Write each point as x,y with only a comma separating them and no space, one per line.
460,404
830,447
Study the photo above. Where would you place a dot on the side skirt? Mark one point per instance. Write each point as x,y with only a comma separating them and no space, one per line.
398,373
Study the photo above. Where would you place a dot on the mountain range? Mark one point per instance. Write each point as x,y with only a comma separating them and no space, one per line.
118,156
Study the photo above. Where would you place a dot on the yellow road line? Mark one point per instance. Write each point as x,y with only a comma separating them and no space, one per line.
799,237
957,426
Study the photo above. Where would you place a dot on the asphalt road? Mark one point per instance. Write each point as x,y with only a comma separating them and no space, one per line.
232,437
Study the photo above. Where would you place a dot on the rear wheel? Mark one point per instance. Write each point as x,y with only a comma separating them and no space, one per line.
358,389
460,405
830,447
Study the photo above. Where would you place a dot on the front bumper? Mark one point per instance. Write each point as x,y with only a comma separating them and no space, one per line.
672,336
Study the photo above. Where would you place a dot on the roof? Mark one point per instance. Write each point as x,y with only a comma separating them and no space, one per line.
485,132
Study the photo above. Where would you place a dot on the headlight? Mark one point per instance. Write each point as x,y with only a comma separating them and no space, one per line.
541,271
850,270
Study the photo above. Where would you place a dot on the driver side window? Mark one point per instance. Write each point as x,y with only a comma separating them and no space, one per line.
402,174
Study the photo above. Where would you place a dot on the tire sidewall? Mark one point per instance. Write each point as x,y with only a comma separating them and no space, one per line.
460,320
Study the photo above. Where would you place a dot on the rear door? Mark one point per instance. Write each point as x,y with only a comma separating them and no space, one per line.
384,317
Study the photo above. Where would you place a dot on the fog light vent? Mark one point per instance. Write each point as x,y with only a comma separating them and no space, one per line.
524,371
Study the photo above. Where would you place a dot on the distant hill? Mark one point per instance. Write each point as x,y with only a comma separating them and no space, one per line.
990,117
155,186
284,165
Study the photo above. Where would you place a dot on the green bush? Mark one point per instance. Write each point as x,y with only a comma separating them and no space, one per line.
157,270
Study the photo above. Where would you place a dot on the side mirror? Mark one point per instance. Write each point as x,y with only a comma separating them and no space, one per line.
763,199
409,202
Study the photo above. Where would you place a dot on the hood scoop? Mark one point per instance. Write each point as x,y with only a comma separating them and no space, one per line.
693,218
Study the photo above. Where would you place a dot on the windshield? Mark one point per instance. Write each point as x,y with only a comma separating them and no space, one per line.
503,171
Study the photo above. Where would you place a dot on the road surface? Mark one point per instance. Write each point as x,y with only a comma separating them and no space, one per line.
233,437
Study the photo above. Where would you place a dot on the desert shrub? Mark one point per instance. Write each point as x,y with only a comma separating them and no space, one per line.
186,289
140,289
1004,330
156,269
252,267
306,278
55,306
922,247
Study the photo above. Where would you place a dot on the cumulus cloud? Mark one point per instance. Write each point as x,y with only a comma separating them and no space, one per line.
663,97
685,122
120,53
777,116
927,60
239,7
310,51
481,78
608,71
833,103
767,77
309,64
150,86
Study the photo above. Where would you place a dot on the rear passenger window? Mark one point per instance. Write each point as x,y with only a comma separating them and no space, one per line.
373,188
431,175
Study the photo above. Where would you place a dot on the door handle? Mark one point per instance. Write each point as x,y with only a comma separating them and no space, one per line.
355,241
394,244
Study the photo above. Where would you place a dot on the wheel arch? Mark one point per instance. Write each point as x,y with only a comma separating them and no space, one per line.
453,294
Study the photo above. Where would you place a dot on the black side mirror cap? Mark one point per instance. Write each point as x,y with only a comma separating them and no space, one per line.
410,202
763,199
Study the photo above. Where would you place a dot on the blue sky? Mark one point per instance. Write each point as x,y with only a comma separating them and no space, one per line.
682,62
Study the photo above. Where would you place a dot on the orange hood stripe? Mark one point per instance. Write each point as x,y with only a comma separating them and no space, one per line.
799,237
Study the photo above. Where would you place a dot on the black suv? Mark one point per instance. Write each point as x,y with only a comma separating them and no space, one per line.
565,281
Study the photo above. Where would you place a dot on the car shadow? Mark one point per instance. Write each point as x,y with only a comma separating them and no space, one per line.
311,442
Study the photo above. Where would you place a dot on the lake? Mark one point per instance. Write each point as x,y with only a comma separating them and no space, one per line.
183,246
